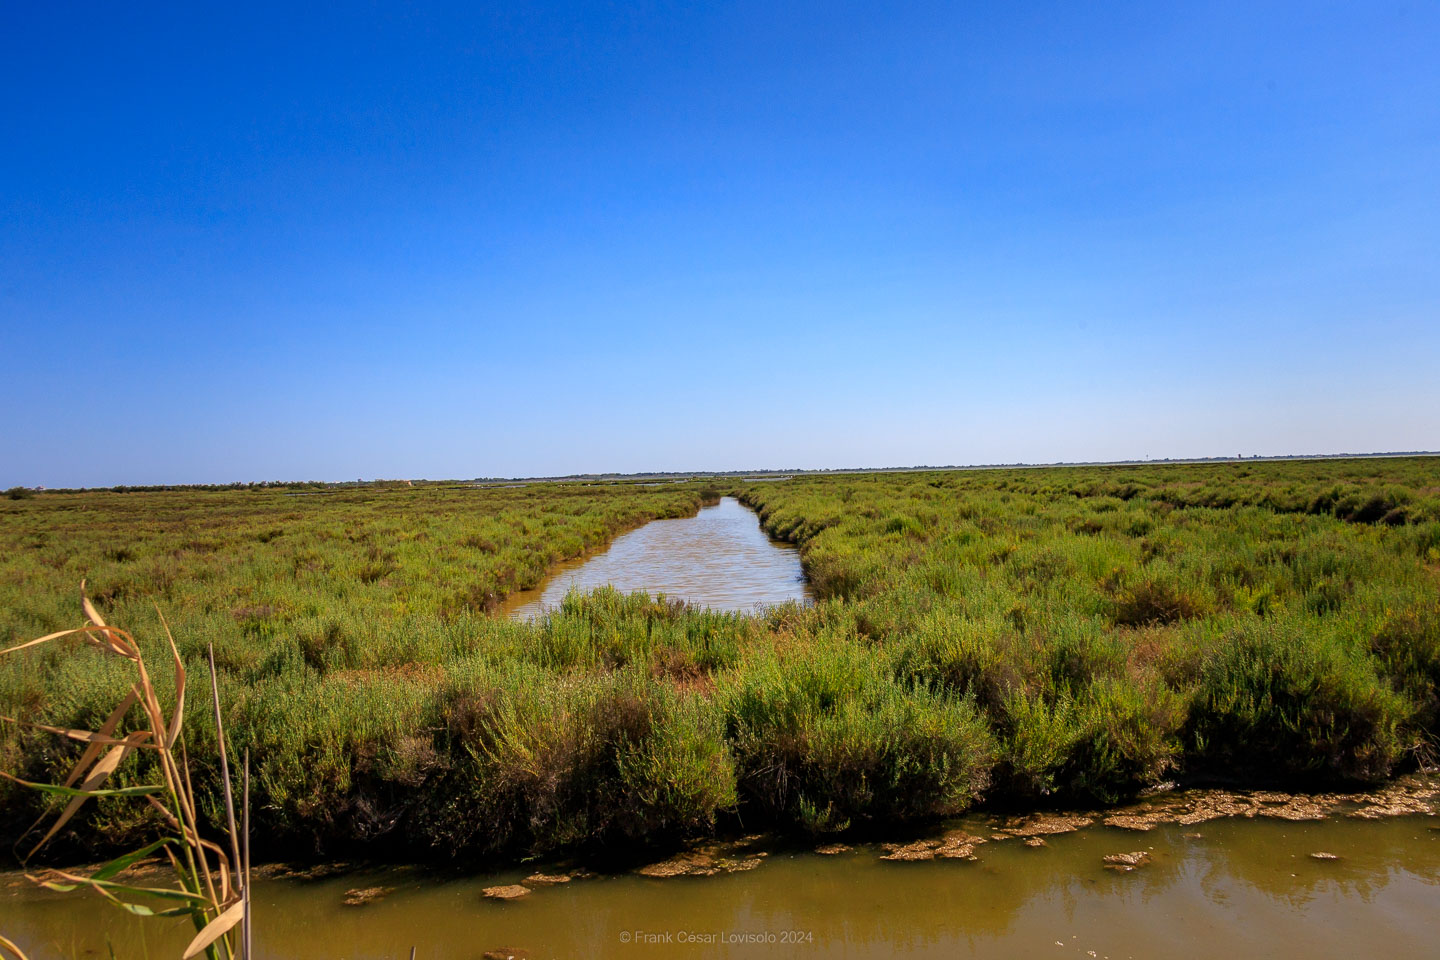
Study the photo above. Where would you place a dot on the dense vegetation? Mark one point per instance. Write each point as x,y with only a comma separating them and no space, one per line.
1012,636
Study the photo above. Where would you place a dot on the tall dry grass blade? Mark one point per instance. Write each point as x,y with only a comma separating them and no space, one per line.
88,634
112,641
45,639
246,947
222,867
214,930
107,728
185,802
84,736
89,607
215,913
90,757
8,946
173,733
225,768
97,776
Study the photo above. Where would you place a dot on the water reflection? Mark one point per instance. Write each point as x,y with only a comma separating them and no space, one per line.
719,558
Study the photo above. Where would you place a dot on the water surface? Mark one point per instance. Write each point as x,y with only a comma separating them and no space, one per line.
1242,888
720,558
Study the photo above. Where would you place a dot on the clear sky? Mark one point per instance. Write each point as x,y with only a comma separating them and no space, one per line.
266,242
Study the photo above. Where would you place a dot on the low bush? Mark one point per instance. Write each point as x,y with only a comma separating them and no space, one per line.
824,739
1294,699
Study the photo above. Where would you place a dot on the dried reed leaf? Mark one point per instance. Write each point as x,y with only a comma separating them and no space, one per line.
8,946
197,895
45,639
111,640
84,736
225,769
89,607
107,728
222,863
178,715
214,930
88,634
98,774
165,813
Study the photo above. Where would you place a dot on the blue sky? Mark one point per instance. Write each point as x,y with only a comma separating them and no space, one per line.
452,241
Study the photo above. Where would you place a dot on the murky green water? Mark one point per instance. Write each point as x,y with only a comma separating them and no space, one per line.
1243,888
720,558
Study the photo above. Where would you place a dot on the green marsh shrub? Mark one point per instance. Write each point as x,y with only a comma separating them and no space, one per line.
825,739
1294,698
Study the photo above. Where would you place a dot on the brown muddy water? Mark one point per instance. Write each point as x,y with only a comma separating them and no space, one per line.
1233,888
720,558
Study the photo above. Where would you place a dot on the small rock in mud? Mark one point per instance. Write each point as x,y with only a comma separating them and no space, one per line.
362,895
1322,855
1035,842
505,953
509,892
1126,862
831,849
1192,836
547,879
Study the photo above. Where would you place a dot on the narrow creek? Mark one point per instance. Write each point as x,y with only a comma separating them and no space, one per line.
1235,887
720,558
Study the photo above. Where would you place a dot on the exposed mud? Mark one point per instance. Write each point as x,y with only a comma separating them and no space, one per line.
511,891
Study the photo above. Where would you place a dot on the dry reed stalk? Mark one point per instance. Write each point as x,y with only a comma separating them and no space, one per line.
215,911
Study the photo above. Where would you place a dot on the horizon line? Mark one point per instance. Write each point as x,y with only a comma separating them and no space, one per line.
769,472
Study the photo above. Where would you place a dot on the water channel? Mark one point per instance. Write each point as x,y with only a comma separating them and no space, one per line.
720,558
1237,888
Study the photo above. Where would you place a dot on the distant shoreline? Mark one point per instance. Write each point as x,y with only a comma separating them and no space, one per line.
684,476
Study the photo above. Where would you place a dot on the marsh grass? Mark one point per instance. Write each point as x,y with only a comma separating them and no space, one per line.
1014,637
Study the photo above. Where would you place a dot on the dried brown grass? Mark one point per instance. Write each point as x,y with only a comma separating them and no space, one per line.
212,886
